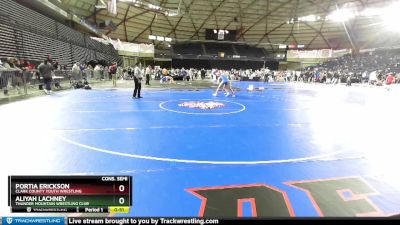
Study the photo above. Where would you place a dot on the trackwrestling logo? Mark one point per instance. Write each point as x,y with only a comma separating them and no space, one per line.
33,220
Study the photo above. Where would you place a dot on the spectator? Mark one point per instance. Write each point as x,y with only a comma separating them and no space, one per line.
89,72
16,80
137,78
106,74
203,74
147,72
28,70
97,72
45,70
390,79
76,74
164,72
3,78
55,65
113,73
372,78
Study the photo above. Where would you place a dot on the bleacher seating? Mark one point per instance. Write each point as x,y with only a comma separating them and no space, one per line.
20,14
382,60
188,49
7,40
212,49
35,47
64,54
28,34
93,43
68,34
215,48
249,51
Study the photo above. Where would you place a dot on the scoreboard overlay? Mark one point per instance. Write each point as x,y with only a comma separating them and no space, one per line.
84,194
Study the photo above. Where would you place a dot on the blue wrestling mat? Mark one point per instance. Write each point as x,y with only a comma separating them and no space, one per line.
287,150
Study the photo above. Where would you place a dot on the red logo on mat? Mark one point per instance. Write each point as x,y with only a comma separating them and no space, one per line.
202,105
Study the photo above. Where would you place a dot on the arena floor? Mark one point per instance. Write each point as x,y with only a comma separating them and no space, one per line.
290,150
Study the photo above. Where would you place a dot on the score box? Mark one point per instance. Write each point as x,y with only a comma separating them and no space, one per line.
68,193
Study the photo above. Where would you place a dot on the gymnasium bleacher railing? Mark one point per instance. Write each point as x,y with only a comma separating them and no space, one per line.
17,83
30,35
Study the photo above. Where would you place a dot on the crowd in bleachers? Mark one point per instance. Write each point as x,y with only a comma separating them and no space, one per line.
191,74
375,67
18,73
380,67
157,73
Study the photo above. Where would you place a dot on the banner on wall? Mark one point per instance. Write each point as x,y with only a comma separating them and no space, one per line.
127,47
316,54
146,48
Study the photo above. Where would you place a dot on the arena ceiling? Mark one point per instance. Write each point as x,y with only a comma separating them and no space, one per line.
259,22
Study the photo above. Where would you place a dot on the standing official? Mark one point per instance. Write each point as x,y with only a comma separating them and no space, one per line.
137,78
148,71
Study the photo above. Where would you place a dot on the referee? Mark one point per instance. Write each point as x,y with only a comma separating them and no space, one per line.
137,78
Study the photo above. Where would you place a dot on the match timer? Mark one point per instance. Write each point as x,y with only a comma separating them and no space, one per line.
84,194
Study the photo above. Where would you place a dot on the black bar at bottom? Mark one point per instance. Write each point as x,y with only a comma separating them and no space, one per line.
213,221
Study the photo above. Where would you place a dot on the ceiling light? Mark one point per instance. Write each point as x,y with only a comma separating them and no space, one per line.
168,39
371,12
152,37
171,13
160,38
309,18
390,17
341,15
100,7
